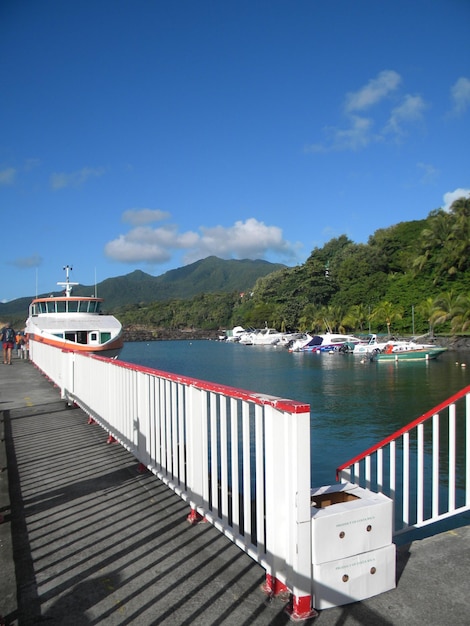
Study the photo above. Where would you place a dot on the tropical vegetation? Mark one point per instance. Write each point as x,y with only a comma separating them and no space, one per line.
410,278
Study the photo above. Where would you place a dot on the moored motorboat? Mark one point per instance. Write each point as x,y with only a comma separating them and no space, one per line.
329,342
233,335
74,323
373,345
417,354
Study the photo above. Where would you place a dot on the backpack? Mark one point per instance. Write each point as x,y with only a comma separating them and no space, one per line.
9,336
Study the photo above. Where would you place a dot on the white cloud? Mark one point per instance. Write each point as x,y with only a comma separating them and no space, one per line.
250,239
358,132
428,172
451,196
460,94
34,260
376,90
7,176
410,110
137,217
75,179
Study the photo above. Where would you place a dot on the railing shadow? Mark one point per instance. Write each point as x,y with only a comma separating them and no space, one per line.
114,547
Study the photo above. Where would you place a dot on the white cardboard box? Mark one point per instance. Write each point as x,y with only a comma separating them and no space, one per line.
355,578
351,520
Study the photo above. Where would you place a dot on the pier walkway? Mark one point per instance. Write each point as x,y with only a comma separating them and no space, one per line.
87,539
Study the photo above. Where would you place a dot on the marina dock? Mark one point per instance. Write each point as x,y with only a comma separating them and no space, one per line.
85,538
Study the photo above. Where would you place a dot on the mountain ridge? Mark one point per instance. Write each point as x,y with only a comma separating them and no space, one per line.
209,275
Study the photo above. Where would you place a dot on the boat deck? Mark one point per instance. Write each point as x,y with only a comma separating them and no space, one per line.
87,539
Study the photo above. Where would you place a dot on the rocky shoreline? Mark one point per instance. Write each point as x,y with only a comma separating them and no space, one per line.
141,333
167,334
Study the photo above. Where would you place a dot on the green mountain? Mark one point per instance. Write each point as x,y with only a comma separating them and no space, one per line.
210,275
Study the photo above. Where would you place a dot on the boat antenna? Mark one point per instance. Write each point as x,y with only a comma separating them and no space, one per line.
68,285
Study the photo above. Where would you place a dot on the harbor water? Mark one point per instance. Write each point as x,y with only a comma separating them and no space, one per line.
354,403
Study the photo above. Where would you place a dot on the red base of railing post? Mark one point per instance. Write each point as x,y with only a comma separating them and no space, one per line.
274,588
195,518
111,439
91,420
141,468
299,608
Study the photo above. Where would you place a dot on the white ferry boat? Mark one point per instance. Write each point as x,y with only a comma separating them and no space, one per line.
74,323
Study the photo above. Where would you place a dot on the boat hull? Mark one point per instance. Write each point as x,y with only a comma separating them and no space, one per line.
111,349
408,355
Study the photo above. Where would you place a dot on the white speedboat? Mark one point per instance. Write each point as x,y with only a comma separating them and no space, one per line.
232,336
267,337
396,345
74,323
297,343
329,342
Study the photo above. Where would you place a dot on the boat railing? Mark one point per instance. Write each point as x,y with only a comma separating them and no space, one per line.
423,467
240,459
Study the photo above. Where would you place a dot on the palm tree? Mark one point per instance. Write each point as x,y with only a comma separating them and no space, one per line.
461,314
387,312
426,308
308,317
356,317
446,306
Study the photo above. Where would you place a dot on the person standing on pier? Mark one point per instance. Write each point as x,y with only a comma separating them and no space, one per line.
8,339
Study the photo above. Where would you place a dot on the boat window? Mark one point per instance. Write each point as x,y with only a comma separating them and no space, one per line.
51,307
42,307
105,337
61,306
83,308
59,335
98,307
72,306
92,307
71,337
93,337
82,336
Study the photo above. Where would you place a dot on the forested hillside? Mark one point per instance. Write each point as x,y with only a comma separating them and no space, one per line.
413,277
138,288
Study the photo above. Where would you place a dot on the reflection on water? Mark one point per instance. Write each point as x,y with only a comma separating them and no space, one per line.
353,405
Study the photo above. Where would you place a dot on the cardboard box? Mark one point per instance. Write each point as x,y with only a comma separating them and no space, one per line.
348,520
355,578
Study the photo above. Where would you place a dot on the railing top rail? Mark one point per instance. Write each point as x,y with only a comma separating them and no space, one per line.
283,404
437,409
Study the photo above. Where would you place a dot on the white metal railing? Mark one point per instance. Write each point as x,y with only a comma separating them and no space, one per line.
240,459
424,467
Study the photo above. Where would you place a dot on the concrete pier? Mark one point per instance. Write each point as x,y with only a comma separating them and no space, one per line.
87,539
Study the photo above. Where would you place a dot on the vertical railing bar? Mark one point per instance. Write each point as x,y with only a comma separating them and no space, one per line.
223,459
406,478
393,478
260,483
380,470
214,461
452,446
367,471
420,475
435,465
174,431
246,472
158,422
234,405
355,476
168,421
163,399
180,433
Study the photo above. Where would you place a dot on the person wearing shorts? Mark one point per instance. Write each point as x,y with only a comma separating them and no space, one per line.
8,339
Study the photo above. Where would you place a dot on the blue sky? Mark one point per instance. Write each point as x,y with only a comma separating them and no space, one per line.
140,134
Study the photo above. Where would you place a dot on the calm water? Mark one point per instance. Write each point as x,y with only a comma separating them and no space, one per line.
353,405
